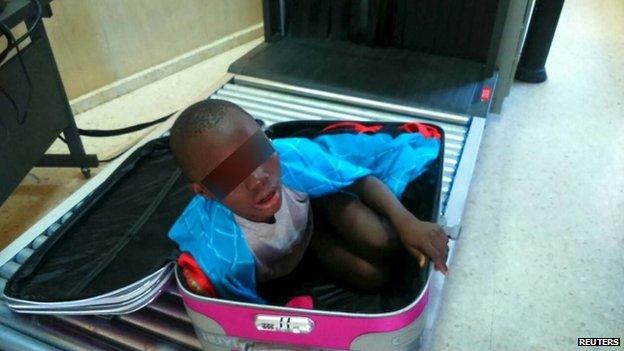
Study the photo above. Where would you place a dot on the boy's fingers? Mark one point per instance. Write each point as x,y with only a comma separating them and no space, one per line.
441,245
441,266
439,258
420,257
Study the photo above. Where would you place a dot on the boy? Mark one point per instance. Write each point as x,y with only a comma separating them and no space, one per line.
229,161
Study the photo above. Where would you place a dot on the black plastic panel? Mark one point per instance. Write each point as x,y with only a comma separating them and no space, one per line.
403,77
28,131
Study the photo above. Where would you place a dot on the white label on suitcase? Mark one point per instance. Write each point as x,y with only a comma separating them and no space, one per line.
297,325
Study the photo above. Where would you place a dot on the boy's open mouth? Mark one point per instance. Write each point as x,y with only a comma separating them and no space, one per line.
268,200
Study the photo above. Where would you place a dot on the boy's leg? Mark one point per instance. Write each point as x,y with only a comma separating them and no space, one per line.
354,242
346,266
364,231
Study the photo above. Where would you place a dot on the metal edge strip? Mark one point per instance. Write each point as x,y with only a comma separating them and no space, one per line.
115,309
460,119
463,176
120,295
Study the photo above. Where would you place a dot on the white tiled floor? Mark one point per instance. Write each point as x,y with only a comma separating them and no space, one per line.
540,261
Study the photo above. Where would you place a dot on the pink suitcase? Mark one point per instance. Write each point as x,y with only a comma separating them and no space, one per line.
228,325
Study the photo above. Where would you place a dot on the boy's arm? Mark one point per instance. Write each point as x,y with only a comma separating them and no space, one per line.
417,236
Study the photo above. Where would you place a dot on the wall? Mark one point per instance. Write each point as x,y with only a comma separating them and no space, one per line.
97,43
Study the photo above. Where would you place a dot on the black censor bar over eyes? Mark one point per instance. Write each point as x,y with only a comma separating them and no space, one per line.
239,165
598,341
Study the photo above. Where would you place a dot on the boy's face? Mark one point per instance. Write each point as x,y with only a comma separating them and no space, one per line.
258,196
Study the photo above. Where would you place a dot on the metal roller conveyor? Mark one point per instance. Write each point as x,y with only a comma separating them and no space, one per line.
170,306
119,334
49,331
155,323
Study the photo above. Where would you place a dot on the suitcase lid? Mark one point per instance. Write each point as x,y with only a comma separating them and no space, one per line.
111,254
427,54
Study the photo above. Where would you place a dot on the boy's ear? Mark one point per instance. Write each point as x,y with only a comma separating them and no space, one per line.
200,190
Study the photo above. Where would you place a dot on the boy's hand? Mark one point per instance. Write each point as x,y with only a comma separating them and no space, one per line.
417,236
424,238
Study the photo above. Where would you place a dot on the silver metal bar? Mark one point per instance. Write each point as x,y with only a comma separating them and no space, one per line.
52,229
14,341
454,146
322,109
170,306
268,118
412,111
23,255
293,115
276,116
260,95
8,269
116,333
47,330
38,241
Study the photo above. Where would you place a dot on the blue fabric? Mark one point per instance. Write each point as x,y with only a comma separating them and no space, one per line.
207,230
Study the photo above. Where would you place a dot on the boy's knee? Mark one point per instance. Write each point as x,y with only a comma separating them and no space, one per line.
385,240
370,276
372,228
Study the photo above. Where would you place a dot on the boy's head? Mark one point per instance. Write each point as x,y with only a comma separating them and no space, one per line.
225,156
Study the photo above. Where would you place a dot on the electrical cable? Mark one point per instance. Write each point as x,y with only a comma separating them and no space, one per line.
113,132
7,33
115,157
38,18
120,131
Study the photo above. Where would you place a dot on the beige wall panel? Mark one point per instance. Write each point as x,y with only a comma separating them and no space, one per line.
98,42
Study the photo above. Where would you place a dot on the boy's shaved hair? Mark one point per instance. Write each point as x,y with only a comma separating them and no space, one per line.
197,119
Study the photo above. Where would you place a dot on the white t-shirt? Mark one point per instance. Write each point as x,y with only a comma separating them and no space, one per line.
279,246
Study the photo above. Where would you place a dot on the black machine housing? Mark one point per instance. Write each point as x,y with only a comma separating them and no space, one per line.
438,55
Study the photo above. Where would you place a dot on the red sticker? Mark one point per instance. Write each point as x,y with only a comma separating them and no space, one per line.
486,93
